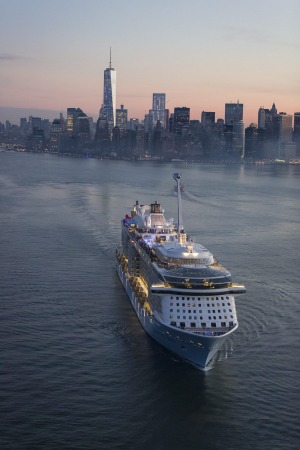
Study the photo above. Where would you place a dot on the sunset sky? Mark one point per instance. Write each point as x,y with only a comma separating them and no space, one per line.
202,54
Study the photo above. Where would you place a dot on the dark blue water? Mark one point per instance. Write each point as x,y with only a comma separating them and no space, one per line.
77,370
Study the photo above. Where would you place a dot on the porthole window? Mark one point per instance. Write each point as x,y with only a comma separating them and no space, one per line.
171,304
209,317
230,310
220,317
171,310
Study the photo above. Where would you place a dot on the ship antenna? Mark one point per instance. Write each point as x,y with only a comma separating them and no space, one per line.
177,177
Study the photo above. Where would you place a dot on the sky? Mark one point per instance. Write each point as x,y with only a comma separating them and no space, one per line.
201,53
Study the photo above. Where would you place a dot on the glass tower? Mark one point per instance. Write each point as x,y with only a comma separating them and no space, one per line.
108,109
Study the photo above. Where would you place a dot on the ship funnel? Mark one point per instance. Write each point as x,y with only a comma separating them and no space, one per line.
177,177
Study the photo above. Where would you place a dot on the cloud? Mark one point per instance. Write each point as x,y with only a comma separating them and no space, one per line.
11,57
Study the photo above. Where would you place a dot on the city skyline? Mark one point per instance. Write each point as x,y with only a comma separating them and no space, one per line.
206,56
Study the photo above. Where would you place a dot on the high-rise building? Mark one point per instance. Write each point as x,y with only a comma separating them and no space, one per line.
159,109
297,131
71,118
181,120
261,122
282,126
239,138
108,109
121,119
233,113
207,118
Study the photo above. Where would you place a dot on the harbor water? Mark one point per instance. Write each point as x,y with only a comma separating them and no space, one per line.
77,370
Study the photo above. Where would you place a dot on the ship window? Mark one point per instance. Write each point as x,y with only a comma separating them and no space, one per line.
171,310
218,305
220,317
189,305
190,317
201,318
184,317
213,325
178,317
223,304
182,324
193,298
223,324
171,297
228,304
230,310
231,324
214,317
173,324
194,311
171,304
213,305
203,324
225,317
194,305
231,317
207,304
183,311
189,311
188,298
208,311
182,298
177,304
214,311
217,298
183,304
177,298
193,326
209,317
195,317
224,310
178,310
200,311
227,298
219,310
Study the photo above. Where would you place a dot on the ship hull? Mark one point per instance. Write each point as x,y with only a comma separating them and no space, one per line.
198,350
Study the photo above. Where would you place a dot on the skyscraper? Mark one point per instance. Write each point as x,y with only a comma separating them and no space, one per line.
121,119
108,109
233,113
181,120
158,111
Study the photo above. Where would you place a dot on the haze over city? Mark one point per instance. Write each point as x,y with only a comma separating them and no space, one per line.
202,55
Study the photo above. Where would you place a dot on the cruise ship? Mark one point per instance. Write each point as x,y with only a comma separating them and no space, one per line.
182,295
